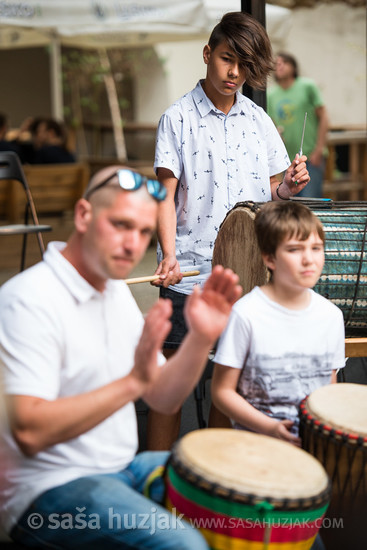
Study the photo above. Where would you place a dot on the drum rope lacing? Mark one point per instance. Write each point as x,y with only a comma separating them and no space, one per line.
339,441
260,503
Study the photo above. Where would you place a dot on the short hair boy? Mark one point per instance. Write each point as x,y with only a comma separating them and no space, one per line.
283,340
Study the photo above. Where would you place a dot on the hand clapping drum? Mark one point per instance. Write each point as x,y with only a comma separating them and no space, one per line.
247,491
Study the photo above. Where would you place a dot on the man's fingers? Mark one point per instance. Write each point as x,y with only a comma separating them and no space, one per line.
223,280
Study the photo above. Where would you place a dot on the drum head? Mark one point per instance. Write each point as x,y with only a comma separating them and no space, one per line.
342,406
252,463
236,246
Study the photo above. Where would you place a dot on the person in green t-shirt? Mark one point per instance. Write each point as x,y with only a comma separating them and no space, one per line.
288,101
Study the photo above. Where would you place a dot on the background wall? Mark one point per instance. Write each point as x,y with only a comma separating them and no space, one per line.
329,42
25,82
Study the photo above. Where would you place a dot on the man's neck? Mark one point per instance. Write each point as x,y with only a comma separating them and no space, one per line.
286,82
73,253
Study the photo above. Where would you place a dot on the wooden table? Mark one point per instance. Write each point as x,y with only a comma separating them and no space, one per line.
356,347
356,184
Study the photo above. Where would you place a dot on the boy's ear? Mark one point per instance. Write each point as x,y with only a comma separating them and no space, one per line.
269,260
206,54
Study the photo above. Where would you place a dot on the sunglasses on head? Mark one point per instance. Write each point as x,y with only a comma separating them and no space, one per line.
131,181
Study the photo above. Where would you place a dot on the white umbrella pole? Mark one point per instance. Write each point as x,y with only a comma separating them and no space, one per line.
114,105
57,106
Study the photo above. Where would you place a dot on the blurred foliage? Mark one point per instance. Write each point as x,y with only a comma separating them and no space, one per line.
83,83
84,87
86,104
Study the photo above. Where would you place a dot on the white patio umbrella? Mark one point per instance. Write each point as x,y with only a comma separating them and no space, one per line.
109,24
103,24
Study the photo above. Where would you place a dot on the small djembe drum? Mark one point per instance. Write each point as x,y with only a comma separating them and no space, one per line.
247,491
333,428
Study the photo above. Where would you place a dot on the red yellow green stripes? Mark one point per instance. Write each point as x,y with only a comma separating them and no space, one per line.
238,509
241,528
222,542
228,524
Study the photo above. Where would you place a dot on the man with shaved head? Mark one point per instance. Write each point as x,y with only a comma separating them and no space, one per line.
76,353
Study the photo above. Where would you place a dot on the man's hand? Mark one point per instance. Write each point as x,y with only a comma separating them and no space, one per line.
207,311
169,272
156,328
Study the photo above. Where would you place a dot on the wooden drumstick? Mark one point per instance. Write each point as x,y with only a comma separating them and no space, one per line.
151,278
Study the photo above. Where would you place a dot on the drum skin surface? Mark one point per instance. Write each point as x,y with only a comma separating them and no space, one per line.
344,277
244,490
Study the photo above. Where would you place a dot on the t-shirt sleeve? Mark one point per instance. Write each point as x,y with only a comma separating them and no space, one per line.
315,95
233,345
169,143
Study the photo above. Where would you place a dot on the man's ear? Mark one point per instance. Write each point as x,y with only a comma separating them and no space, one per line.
206,54
269,260
82,215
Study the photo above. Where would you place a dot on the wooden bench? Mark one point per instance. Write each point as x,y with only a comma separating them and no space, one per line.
55,188
356,347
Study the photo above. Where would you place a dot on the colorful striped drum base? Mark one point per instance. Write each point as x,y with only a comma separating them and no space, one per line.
232,519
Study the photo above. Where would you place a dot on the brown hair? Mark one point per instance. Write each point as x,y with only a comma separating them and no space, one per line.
249,41
279,220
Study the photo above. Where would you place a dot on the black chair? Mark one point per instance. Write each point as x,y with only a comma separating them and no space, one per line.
11,169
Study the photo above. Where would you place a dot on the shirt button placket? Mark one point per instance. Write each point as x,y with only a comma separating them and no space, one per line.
231,165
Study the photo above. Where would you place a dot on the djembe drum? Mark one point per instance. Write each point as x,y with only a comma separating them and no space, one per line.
333,428
244,490
344,277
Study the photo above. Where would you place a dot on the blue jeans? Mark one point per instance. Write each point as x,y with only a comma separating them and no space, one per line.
314,186
108,511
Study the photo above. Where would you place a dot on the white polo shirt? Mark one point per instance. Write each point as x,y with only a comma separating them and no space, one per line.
219,160
60,337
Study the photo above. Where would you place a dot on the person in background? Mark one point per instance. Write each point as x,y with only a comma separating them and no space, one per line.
43,140
214,148
287,102
49,142
5,143
76,354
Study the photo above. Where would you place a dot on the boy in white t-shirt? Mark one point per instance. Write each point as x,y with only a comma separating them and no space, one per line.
282,340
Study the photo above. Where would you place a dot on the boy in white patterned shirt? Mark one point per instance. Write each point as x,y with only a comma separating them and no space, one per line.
214,148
